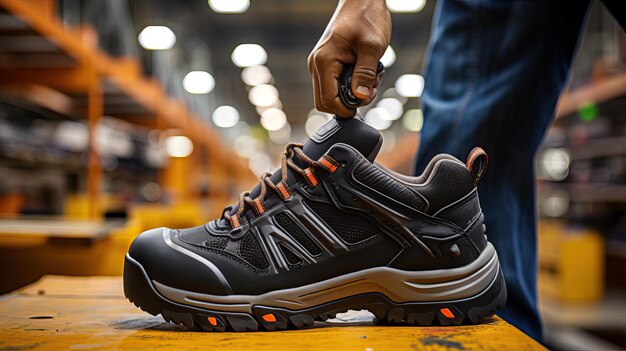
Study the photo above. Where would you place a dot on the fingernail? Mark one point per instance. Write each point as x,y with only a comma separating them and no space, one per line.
363,91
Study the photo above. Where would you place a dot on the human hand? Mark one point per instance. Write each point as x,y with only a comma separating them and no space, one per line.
358,33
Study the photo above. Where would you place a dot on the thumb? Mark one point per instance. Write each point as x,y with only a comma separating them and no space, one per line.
364,75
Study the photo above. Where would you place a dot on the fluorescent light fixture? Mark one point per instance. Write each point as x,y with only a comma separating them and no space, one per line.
378,118
256,75
225,116
389,57
247,55
404,6
263,95
273,119
229,6
393,107
413,120
157,38
198,82
178,146
410,85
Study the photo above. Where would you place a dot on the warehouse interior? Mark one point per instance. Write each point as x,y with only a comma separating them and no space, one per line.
121,116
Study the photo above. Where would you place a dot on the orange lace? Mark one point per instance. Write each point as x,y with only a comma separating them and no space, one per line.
281,188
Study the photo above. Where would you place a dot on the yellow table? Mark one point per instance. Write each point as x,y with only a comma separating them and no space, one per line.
78,313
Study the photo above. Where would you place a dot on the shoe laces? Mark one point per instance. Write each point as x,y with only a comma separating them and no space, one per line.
281,188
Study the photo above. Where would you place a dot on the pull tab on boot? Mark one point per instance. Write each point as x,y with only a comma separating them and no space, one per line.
476,163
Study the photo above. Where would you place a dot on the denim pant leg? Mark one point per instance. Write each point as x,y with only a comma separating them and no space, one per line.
493,76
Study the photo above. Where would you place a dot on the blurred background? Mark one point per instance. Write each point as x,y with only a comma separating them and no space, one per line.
122,115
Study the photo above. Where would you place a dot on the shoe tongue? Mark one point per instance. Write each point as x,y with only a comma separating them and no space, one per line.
351,131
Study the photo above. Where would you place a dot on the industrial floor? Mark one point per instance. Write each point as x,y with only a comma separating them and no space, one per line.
91,313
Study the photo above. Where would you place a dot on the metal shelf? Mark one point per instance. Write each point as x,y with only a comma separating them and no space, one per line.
594,148
43,60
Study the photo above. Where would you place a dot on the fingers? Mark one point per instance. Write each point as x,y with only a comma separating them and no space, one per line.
325,65
379,77
328,71
325,69
369,100
316,84
365,76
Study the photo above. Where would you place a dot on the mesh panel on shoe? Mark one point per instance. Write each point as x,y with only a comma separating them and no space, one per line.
251,252
216,242
291,258
297,234
377,180
351,228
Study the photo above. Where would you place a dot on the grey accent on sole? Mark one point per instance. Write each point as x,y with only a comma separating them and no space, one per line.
140,291
398,285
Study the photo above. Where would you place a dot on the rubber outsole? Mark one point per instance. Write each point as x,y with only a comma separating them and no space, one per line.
139,290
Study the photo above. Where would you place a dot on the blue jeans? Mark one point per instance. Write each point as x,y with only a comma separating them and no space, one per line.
493,76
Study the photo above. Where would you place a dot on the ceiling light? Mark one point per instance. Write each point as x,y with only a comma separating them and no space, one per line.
555,204
247,55
393,107
389,57
314,122
155,157
229,6
178,146
263,95
151,191
157,38
260,109
393,93
113,141
555,163
246,146
225,116
198,82
282,135
405,5
256,75
413,120
410,85
260,163
378,118
73,136
273,119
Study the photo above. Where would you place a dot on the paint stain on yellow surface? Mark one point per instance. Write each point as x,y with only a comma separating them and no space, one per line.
91,313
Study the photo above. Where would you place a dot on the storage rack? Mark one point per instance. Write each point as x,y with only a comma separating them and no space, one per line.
62,69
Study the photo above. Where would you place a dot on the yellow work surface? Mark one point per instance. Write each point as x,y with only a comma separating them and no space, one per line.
78,313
